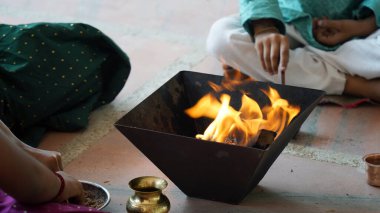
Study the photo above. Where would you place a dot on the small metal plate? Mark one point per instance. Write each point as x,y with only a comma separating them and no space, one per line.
96,196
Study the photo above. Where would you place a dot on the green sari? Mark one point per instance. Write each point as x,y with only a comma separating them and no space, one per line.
52,75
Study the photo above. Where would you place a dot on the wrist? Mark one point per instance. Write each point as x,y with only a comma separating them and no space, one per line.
263,26
264,30
62,185
368,26
363,27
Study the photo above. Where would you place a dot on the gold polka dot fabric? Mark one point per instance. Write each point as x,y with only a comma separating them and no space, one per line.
52,75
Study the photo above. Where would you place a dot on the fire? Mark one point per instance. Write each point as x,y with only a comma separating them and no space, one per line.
241,126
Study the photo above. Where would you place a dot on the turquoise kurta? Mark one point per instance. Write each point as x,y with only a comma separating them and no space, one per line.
300,13
53,75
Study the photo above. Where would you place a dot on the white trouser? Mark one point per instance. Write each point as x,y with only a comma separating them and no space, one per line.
308,67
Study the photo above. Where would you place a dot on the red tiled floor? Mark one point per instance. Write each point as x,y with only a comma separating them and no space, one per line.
292,184
150,56
350,131
163,37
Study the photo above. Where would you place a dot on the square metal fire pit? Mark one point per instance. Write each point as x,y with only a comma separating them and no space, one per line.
161,130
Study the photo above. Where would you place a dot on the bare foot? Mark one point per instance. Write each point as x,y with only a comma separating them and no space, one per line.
361,87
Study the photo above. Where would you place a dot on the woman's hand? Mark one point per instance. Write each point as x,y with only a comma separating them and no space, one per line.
51,159
73,189
273,50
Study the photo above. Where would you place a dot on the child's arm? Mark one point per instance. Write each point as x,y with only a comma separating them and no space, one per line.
263,20
272,47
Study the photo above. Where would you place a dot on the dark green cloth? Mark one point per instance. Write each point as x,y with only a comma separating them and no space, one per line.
52,75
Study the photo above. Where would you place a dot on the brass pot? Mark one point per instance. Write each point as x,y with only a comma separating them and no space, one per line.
148,195
373,168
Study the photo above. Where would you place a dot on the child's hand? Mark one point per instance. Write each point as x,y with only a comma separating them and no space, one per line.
273,50
334,32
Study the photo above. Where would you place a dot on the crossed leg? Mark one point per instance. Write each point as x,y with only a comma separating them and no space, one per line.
230,43
361,87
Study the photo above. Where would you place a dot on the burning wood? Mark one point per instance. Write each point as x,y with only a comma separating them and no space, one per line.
265,139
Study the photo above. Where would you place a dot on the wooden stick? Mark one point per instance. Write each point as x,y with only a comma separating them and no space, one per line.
282,77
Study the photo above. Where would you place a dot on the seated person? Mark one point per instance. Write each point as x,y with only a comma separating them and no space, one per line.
31,176
327,45
53,75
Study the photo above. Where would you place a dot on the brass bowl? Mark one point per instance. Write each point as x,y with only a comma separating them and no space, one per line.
148,196
148,182
373,168
96,195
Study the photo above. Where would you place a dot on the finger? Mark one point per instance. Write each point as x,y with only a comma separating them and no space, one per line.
326,32
321,22
283,61
324,37
275,54
80,198
320,35
284,56
59,162
267,59
315,24
329,24
260,52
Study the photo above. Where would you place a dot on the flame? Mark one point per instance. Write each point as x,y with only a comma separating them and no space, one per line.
241,126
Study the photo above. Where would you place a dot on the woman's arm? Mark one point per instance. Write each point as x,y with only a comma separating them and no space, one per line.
51,159
28,180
